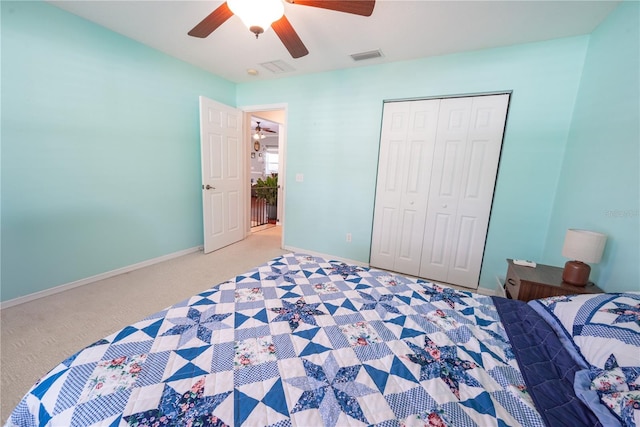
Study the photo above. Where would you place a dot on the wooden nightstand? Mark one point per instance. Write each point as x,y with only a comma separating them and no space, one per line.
527,283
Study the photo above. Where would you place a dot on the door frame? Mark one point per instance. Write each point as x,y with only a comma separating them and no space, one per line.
248,111
458,95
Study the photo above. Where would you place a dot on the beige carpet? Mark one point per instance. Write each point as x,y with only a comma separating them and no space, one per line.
36,336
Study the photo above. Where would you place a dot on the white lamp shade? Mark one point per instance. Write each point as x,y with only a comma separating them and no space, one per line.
260,13
583,245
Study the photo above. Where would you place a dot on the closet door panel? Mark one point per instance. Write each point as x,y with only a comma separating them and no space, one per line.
438,241
414,197
387,207
386,242
479,173
449,153
387,211
411,126
465,233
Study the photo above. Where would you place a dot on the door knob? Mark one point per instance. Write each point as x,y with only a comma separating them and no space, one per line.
444,206
208,187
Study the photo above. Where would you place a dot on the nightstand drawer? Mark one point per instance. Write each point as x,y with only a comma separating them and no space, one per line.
512,284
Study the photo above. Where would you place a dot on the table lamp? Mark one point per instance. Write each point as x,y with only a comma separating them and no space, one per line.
582,247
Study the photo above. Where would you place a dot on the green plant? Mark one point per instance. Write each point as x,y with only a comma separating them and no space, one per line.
267,189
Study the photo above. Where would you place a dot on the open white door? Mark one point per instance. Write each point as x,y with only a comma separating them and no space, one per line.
222,174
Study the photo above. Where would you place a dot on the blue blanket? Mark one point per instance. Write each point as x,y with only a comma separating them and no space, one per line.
546,365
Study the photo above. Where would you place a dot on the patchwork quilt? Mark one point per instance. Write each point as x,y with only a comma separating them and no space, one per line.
299,341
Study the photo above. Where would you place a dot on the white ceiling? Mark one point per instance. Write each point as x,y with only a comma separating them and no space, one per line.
402,29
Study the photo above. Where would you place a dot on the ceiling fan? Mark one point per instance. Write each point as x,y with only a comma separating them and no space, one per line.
260,130
258,15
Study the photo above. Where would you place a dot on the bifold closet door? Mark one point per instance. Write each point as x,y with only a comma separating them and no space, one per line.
436,176
404,171
466,156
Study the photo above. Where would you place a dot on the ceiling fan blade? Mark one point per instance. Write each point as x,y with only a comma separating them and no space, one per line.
356,7
212,21
289,37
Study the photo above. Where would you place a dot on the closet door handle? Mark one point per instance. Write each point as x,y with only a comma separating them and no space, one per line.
208,187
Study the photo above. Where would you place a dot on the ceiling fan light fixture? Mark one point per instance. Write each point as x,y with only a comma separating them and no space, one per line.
259,134
257,15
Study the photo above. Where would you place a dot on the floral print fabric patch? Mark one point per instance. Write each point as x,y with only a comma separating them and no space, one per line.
254,351
110,376
246,295
325,288
360,333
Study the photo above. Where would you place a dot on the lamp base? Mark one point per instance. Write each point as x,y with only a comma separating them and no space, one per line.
576,273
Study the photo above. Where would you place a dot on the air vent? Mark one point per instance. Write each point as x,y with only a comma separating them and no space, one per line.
277,67
366,55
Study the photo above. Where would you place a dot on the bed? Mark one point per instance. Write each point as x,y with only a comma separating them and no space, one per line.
305,341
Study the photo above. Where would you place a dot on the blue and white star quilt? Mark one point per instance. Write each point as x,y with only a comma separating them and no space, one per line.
299,341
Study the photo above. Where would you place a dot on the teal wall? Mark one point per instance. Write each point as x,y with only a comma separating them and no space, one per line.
333,136
100,149
599,187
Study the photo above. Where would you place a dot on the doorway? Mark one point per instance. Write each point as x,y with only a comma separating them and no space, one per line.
265,131
264,169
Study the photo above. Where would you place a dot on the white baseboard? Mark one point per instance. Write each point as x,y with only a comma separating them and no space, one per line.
92,279
132,267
